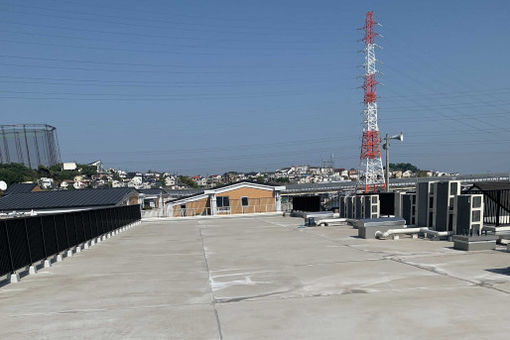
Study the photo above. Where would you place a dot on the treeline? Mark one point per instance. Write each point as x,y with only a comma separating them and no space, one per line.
403,167
17,173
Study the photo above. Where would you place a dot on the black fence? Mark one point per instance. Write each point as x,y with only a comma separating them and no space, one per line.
496,206
24,241
306,203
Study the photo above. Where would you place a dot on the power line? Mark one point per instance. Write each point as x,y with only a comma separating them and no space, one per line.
145,35
118,49
304,45
93,62
96,15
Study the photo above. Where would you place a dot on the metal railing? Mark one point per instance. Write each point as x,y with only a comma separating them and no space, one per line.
25,241
496,206
230,210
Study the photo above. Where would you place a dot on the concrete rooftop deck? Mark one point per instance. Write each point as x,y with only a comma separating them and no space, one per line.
261,278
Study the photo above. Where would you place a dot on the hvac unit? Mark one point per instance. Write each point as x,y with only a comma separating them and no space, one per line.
371,206
360,207
444,205
350,206
425,202
341,207
399,196
409,208
469,214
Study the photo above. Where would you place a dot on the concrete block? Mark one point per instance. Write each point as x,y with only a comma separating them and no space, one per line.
92,242
414,236
78,249
368,232
47,263
396,237
14,277
468,243
86,245
69,253
32,270
59,258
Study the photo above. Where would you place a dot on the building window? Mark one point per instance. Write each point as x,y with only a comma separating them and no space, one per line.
222,202
244,201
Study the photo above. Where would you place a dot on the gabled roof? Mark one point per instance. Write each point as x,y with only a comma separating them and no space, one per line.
20,187
226,187
58,199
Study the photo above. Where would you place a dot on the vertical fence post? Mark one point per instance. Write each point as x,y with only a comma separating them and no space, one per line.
498,204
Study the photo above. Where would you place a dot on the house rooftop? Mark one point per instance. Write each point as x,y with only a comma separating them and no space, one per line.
20,188
58,199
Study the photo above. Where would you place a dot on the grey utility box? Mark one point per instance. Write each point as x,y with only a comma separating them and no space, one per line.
469,214
399,196
444,205
409,208
368,227
350,206
371,206
483,242
425,203
360,207
341,206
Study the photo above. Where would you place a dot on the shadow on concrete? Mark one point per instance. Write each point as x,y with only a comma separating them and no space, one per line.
502,271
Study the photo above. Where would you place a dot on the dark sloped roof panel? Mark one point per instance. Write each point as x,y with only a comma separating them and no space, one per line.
64,199
20,187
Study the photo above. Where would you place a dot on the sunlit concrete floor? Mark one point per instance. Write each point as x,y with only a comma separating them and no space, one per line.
261,278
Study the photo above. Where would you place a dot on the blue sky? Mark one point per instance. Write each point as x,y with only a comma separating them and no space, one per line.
206,86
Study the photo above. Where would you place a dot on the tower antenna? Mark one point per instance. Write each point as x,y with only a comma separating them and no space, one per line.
370,172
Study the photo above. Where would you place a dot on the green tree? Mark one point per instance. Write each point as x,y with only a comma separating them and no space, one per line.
88,170
17,173
403,167
187,181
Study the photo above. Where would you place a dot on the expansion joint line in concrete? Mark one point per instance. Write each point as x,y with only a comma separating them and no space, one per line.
433,270
213,302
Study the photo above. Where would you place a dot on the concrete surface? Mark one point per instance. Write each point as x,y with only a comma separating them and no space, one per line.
261,278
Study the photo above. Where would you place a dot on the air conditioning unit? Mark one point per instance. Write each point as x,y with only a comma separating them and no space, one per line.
469,214
350,207
409,208
360,207
425,203
444,205
399,196
341,207
371,206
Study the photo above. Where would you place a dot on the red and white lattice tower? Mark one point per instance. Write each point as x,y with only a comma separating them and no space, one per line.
370,172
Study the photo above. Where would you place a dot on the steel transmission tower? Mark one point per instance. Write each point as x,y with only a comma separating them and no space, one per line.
370,172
